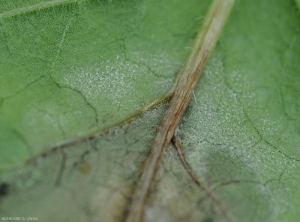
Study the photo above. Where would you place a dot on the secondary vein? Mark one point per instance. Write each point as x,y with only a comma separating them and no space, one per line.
188,77
177,144
98,132
31,8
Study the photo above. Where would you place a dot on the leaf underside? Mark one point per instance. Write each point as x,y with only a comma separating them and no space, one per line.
70,69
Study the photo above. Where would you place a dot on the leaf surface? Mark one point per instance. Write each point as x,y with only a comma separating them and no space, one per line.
70,69
240,134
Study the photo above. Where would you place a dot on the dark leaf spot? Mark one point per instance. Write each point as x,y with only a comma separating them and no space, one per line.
4,188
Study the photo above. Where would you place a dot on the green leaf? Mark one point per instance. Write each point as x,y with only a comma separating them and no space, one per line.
298,3
70,70
242,132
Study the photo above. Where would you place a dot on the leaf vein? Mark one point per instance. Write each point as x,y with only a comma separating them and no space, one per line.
32,8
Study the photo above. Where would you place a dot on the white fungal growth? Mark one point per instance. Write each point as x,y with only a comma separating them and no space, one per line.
218,125
106,78
117,84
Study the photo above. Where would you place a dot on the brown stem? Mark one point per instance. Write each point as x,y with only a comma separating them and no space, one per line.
205,42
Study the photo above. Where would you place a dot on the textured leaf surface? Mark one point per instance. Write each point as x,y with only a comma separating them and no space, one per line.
69,69
240,134
242,131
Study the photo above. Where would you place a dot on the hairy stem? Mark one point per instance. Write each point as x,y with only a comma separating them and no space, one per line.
188,77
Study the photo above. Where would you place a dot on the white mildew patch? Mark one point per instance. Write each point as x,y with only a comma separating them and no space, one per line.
224,143
218,127
147,118
106,79
117,85
264,99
